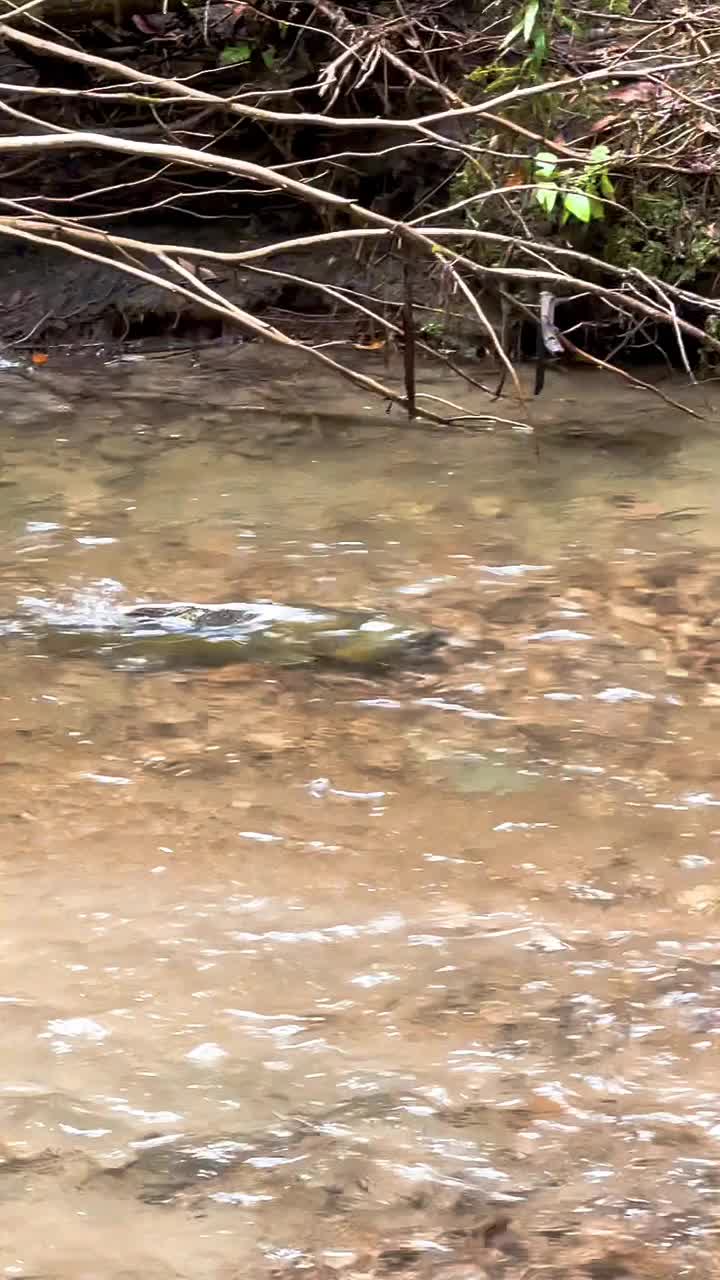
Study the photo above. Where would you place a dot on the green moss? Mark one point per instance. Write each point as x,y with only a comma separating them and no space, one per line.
626,248
644,236
702,254
660,211
708,357
497,77
662,235
471,179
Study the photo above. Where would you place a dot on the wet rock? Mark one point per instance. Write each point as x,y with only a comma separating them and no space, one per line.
702,898
468,998
472,774
521,606
499,1235
398,1260
161,1169
460,1271
129,447
19,1175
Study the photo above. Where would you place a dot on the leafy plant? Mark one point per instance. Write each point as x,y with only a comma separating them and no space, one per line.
532,27
434,329
236,53
536,23
578,194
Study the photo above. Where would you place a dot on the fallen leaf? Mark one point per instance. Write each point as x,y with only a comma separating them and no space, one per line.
643,91
152,25
601,125
376,345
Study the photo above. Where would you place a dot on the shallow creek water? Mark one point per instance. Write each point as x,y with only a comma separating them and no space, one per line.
336,974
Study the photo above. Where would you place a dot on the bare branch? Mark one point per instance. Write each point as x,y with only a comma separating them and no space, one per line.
421,124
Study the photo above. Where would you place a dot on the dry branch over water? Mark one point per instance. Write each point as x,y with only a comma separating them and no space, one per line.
507,155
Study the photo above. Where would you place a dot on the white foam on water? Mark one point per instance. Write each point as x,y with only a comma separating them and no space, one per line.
95,606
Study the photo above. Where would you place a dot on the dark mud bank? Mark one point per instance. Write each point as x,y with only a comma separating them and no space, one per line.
56,298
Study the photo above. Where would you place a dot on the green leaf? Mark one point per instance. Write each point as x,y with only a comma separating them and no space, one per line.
540,46
600,155
233,53
545,164
596,208
578,204
546,194
512,34
268,57
530,18
606,187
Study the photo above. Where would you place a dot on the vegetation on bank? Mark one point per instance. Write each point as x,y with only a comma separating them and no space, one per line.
543,175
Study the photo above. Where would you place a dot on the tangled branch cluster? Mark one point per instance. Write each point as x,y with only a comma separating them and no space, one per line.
378,84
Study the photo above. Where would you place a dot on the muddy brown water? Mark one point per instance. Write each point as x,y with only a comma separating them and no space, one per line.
326,974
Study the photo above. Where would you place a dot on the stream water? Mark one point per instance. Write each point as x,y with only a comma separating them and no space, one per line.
347,975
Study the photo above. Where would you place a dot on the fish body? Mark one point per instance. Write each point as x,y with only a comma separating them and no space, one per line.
184,634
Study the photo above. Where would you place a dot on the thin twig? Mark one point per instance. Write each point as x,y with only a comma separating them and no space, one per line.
408,319
628,377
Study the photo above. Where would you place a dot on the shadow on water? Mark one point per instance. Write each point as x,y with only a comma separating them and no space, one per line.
339,972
